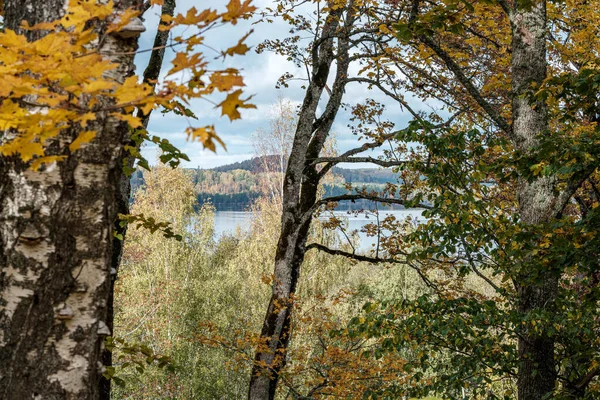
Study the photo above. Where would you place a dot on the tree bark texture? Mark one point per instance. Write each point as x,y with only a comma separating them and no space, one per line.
299,197
123,198
56,230
539,202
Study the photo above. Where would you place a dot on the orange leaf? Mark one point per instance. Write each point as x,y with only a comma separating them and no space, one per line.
205,135
224,82
236,9
240,48
232,102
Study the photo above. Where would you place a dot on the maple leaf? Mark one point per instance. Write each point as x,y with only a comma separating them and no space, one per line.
236,9
184,61
232,102
122,20
205,135
240,48
134,122
225,81
131,91
83,137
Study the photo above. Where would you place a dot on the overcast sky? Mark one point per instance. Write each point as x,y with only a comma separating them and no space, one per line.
260,72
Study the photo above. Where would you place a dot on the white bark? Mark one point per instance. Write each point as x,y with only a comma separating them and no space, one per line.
55,248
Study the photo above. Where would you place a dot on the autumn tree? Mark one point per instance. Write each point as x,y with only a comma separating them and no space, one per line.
339,35
67,102
507,172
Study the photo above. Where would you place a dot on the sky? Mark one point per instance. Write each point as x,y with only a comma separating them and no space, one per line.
260,72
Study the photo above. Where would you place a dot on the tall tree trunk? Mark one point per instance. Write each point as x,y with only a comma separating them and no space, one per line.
56,231
151,74
538,200
300,186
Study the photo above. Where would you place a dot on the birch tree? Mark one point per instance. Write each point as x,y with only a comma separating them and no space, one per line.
68,95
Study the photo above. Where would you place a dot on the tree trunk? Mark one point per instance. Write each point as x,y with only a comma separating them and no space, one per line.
300,186
56,230
538,201
151,74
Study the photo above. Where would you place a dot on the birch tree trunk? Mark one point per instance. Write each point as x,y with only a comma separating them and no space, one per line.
56,230
539,202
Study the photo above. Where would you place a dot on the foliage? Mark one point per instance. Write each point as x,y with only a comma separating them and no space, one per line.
199,303
475,253
64,80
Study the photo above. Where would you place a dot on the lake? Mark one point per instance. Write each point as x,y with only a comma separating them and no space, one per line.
230,221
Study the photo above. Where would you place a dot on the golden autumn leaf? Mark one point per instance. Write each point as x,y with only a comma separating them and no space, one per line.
236,9
225,81
27,149
131,91
184,61
84,137
124,19
98,86
134,122
240,48
232,102
205,135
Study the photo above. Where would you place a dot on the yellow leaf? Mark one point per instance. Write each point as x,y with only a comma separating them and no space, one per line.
97,86
83,119
236,9
133,122
131,91
124,18
84,137
240,48
37,163
25,148
224,82
9,39
231,104
205,135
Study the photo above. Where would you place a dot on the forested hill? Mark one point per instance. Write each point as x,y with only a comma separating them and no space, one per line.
366,175
234,187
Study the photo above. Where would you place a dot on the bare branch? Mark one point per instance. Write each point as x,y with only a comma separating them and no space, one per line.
354,197
388,92
376,161
372,260
358,150
467,83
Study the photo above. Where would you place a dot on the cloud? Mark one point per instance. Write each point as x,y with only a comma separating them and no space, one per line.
260,72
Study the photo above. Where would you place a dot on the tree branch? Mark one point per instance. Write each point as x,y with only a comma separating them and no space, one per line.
372,260
341,159
354,197
358,150
466,83
387,92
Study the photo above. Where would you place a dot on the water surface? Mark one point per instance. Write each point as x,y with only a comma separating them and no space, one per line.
230,221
